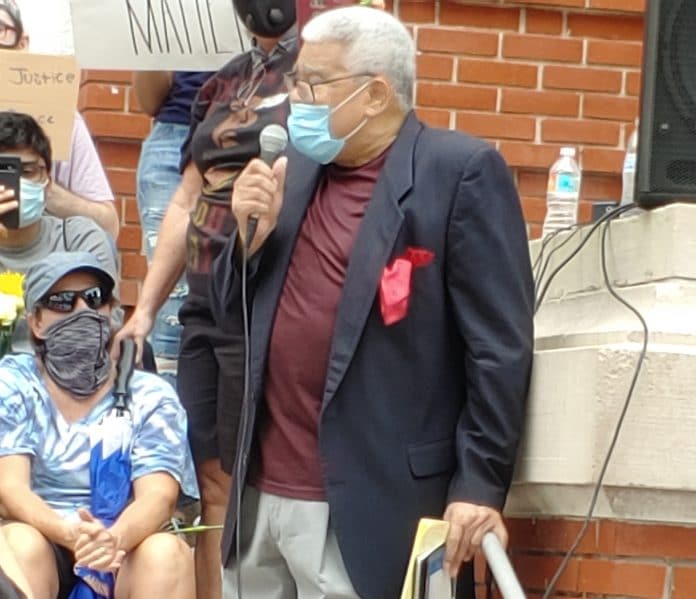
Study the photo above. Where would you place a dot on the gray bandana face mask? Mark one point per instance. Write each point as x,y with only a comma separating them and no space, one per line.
75,352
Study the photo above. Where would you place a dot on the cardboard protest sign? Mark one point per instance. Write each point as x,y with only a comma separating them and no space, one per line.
187,35
45,87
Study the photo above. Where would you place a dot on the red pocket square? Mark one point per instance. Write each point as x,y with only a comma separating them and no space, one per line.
395,286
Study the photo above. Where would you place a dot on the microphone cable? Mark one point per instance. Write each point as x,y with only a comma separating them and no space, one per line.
605,220
272,142
605,217
544,243
539,267
246,400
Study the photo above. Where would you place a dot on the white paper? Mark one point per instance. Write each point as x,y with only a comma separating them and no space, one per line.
438,584
47,23
189,35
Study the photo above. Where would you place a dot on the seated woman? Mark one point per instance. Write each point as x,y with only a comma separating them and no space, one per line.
55,408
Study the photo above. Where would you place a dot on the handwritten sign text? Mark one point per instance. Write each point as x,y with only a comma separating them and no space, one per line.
156,34
45,87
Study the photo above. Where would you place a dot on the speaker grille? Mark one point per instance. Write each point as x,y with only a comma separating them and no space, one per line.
682,172
666,169
679,60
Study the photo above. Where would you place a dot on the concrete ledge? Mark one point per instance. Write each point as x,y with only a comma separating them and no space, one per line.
586,349
616,503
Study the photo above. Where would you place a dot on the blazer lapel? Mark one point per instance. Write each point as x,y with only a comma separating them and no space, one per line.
300,185
371,251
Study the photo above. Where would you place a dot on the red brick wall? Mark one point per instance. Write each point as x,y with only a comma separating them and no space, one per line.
618,560
528,76
111,110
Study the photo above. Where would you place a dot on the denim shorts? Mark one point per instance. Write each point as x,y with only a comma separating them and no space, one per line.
158,177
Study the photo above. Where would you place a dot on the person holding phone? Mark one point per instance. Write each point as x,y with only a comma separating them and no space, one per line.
78,186
37,234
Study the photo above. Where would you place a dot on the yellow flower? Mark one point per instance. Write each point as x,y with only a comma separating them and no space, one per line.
11,283
8,309
11,286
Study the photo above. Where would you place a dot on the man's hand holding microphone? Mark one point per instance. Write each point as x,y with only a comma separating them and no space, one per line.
258,190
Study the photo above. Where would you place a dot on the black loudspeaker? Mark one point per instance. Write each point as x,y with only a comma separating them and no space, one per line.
666,168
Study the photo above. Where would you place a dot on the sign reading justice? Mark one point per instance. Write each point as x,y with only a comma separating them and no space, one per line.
45,87
187,35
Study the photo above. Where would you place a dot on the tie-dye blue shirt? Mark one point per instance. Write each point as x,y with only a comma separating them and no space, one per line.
31,425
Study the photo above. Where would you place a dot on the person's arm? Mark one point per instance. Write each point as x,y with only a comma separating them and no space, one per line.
22,504
258,193
168,262
9,565
63,203
489,283
154,500
161,467
19,442
81,182
151,89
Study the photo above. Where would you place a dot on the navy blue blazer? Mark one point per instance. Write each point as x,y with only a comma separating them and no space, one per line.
428,410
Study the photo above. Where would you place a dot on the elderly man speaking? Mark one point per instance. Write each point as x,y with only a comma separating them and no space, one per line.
391,329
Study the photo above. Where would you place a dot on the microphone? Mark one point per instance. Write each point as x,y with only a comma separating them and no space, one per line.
273,140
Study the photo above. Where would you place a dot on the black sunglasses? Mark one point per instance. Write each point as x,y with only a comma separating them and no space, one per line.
64,301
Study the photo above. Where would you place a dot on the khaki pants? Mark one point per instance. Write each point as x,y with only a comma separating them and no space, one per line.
289,551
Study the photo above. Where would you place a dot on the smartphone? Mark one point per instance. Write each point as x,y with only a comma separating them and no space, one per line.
10,173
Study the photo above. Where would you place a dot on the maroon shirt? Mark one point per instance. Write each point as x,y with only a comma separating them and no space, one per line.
298,357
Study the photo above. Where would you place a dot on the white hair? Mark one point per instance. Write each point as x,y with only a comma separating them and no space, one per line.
375,41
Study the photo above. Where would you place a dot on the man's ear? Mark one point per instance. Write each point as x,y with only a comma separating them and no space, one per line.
381,95
23,42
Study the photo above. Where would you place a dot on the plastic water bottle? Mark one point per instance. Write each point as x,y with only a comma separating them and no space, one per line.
629,168
563,193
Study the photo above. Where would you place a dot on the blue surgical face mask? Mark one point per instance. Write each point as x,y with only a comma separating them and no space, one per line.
309,126
32,201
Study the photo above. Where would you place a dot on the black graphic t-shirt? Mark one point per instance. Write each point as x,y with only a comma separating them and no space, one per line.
227,117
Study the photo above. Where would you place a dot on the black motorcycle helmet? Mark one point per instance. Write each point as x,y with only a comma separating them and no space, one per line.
266,18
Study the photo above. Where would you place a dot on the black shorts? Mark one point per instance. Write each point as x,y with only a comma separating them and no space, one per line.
65,562
210,382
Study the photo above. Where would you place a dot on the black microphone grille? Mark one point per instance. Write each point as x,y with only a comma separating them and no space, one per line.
273,139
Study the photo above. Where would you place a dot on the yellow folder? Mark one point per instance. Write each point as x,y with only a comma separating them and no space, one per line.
430,534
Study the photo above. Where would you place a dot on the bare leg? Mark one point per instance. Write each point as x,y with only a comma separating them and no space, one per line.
214,484
11,568
161,566
35,558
